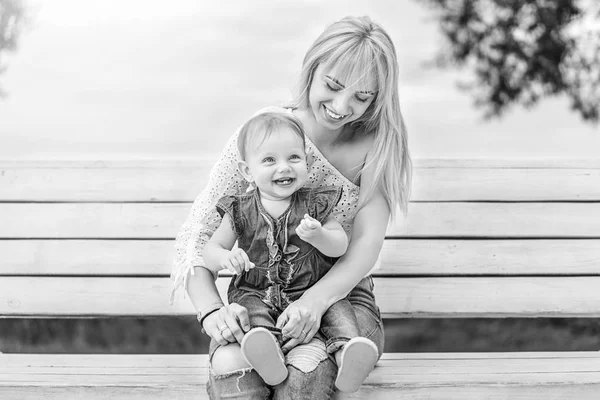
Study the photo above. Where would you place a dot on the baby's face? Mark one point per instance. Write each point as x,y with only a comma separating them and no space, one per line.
277,165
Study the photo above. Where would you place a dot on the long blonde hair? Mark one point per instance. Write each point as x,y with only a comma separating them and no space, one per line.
357,44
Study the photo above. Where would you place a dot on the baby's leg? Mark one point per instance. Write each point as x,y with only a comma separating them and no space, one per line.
355,356
260,346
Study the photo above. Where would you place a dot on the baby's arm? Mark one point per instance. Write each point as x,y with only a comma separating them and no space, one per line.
329,238
218,253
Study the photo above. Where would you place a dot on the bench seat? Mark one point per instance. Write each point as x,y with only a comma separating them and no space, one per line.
543,375
483,238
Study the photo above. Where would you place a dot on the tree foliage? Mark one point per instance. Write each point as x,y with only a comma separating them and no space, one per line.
11,20
520,51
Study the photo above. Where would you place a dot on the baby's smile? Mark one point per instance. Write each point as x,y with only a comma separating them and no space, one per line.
284,181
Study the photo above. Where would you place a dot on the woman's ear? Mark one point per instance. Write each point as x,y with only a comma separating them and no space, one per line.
245,171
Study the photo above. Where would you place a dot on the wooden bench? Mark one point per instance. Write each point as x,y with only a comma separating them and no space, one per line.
484,238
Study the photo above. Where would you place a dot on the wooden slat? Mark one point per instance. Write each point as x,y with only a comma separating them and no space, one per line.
490,257
466,391
163,220
508,163
175,180
538,220
92,220
420,257
400,297
506,184
573,375
103,180
86,257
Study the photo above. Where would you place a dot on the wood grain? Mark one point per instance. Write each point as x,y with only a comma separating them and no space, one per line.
412,257
397,297
163,220
182,180
397,375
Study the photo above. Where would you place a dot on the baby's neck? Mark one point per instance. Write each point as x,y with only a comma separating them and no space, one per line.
275,207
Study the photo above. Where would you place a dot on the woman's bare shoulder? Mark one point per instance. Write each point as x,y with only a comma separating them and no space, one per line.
361,145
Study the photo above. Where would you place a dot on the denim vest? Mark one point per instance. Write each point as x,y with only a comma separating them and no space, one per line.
285,264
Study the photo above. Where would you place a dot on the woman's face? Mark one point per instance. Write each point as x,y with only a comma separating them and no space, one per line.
334,102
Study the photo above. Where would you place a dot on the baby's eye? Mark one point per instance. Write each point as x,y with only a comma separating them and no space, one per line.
295,157
268,160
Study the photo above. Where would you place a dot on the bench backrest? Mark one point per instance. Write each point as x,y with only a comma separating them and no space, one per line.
483,238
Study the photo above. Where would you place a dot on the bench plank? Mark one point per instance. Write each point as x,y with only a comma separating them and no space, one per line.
418,257
163,220
397,375
182,180
397,297
467,391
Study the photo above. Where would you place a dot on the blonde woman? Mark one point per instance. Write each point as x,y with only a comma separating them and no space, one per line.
349,106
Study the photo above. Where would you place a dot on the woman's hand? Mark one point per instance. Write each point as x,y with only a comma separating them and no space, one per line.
299,322
227,325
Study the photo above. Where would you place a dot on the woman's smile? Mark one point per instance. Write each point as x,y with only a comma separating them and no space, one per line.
333,115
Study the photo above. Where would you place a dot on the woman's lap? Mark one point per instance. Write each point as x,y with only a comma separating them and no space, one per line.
311,371
367,313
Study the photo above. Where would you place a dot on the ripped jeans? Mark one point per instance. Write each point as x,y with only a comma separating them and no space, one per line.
311,372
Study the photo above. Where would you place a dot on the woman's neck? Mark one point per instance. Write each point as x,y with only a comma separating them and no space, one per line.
321,137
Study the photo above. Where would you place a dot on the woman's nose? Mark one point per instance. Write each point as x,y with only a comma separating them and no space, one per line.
341,103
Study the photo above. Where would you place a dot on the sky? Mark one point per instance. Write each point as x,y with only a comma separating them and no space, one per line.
156,79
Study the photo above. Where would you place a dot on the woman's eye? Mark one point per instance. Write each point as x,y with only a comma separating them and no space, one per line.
333,89
362,99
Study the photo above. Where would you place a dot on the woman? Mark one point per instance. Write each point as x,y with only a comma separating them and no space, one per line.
349,105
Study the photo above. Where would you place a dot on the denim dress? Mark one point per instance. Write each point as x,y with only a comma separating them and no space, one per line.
285,264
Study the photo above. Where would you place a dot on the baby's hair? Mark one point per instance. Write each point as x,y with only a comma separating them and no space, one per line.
261,126
357,46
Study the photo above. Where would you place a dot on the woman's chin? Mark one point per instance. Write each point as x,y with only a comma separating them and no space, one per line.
326,121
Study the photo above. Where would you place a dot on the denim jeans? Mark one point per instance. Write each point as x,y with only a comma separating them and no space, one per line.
314,384
338,324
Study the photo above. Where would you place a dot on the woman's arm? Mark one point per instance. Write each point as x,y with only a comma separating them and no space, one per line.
368,234
202,221
203,293
302,319
190,271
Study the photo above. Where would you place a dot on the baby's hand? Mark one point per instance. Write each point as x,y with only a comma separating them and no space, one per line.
237,261
308,229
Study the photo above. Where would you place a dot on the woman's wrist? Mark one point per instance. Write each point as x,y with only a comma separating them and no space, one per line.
319,300
203,293
202,314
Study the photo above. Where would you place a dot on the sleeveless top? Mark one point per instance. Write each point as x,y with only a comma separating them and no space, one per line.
285,265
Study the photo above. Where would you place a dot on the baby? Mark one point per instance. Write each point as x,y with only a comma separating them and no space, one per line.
287,240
